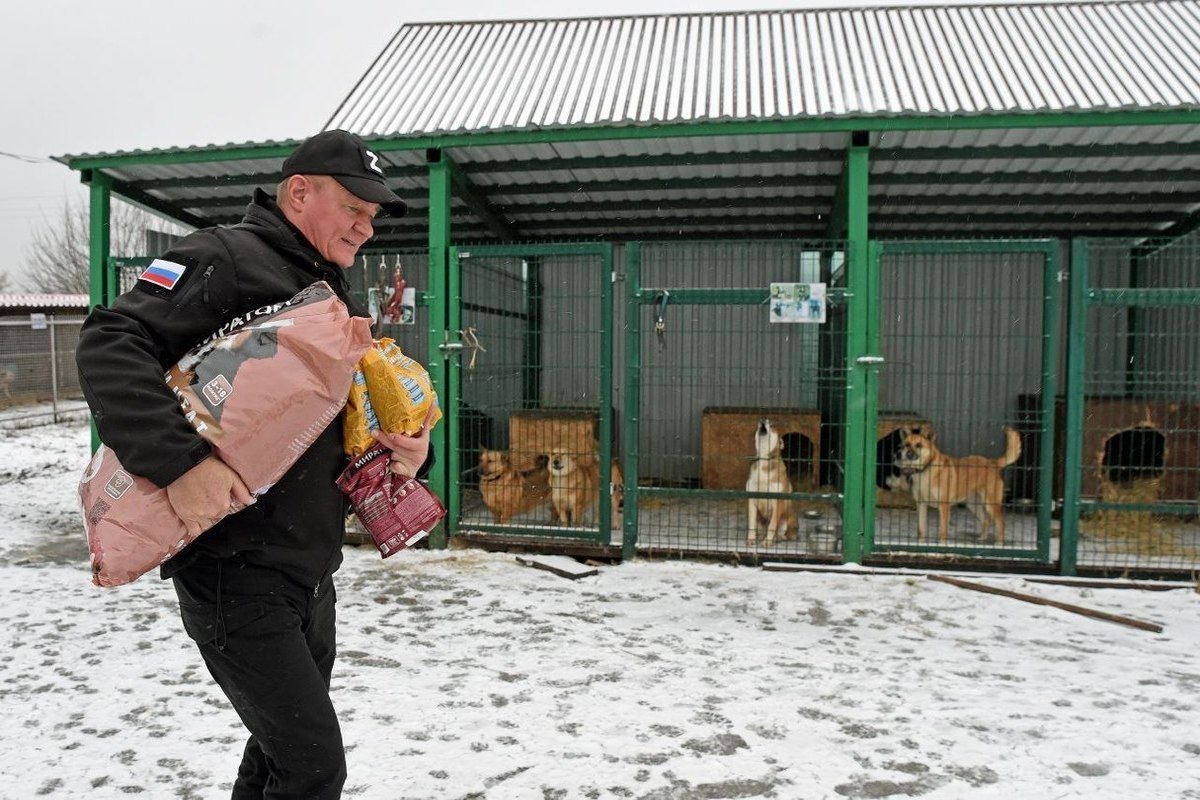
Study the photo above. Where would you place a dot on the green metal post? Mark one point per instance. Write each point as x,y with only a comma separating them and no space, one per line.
1076,357
1045,493
1133,322
604,515
531,385
871,396
444,479
633,396
100,290
858,259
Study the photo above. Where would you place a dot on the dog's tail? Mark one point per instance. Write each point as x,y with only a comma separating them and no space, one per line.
1013,450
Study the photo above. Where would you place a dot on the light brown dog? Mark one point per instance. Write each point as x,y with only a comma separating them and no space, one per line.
936,479
507,491
768,473
574,485
618,494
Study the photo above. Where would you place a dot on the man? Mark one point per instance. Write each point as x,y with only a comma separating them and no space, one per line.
255,591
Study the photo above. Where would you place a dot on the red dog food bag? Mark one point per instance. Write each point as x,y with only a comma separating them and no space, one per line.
397,511
230,387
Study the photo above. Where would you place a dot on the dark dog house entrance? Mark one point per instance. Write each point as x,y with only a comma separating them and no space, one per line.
1134,454
798,454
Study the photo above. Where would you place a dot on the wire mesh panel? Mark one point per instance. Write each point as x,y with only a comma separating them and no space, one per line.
536,437
732,349
966,330
1133,457
37,366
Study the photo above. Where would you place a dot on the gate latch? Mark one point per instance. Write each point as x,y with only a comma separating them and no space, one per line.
470,342
869,361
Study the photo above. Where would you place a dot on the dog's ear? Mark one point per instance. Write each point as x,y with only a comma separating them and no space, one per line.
904,432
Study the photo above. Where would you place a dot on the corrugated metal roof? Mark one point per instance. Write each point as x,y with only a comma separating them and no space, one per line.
962,60
43,301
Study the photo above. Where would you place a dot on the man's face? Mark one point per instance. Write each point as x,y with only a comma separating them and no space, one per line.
334,220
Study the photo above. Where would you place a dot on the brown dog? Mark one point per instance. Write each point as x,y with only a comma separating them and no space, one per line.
508,492
768,473
618,494
574,485
936,479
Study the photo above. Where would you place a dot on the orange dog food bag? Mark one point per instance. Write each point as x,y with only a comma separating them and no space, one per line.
390,392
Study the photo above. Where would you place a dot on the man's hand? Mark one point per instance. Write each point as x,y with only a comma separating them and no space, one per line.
206,493
408,451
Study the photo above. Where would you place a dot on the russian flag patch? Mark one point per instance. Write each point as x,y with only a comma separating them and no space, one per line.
163,273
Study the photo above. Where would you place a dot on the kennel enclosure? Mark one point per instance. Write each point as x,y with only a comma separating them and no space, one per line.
999,201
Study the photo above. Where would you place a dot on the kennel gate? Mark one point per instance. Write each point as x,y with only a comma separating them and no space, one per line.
963,329
527,343
1131,466
703,362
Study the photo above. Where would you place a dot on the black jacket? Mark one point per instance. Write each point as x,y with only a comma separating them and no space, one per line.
297,526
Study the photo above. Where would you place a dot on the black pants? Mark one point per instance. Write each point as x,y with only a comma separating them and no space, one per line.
269,643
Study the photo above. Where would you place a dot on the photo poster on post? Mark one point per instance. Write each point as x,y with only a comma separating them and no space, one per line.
797,302
408,306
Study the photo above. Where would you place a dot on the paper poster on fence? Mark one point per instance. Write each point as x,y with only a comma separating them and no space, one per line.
798,302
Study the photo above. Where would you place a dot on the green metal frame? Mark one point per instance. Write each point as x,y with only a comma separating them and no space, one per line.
1049,249
873,124
442,286
861,368
1083,298
637,296
453,380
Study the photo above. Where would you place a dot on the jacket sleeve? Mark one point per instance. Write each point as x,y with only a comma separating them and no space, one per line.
124,350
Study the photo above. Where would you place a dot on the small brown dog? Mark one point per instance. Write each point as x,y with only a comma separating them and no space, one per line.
574,485
768,473
507,491
936,479
618,494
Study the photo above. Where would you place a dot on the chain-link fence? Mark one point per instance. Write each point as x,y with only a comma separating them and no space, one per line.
38,379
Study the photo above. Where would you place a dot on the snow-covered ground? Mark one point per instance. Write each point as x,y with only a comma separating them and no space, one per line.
466,675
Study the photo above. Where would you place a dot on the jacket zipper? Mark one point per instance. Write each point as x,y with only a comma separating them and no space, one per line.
204,286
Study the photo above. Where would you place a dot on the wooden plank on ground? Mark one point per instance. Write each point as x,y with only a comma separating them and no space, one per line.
559,565
1042,601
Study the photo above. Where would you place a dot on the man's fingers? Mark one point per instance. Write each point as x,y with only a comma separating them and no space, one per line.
240,495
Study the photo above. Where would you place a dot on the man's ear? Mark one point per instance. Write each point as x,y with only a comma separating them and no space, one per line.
296,190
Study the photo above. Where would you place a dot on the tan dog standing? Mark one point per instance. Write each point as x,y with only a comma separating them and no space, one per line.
936,479
507,491
574,485
768,473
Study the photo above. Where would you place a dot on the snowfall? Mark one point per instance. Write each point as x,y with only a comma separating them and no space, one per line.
466,674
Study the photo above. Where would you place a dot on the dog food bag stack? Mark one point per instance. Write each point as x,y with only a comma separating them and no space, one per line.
391,393
229,387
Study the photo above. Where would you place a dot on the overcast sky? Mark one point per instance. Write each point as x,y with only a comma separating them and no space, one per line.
91,77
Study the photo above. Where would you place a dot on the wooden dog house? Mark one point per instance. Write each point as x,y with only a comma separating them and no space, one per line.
541,431
728,443
1123,438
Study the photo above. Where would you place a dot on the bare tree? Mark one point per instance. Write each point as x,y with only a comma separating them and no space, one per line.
56,260
4,282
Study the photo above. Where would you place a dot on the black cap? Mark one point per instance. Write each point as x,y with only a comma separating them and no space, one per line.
344,157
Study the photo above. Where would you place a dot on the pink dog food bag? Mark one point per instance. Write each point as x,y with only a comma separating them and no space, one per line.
259,391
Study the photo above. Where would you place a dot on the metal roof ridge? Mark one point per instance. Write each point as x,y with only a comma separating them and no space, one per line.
907,6
66,158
